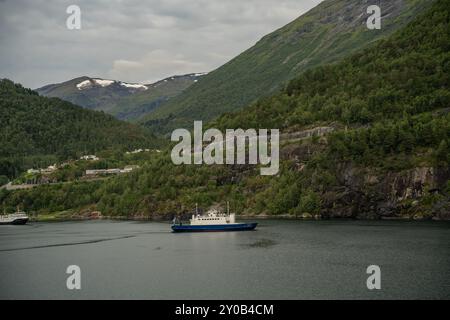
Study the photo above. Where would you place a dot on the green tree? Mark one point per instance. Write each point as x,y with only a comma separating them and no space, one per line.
310,202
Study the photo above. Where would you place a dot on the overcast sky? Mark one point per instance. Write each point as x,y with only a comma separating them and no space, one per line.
132,40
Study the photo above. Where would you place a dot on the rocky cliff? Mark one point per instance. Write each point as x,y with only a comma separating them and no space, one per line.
364,193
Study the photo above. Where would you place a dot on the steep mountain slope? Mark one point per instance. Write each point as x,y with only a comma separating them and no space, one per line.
32,125
326,34
125,101
408,72
138,105
388,156
90,93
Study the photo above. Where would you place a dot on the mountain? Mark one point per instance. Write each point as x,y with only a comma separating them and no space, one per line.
36,127
90,93
125,101
385,153
332,30
137,105
379,128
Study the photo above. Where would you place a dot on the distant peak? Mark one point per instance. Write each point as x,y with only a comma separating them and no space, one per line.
134,85
92,82
178,77
199,74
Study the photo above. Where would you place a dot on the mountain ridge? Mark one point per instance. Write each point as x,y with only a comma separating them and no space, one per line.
323,35
124,100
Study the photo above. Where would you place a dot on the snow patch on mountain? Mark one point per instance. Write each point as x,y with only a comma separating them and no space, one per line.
200,74
86,84
133,85
89,83
83,85
92,82
103,83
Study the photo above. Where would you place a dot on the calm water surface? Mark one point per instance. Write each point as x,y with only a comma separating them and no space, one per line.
280,260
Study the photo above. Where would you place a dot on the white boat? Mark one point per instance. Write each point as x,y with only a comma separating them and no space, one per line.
17,218
213,221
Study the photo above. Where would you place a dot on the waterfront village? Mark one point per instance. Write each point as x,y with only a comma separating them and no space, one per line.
87,167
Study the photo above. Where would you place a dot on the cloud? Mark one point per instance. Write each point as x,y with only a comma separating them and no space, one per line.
132,40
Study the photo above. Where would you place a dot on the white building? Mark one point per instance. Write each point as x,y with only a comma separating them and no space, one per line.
128,169
50,169
90,158
102,171
139,151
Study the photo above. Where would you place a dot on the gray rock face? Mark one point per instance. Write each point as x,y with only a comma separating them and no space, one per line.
364,194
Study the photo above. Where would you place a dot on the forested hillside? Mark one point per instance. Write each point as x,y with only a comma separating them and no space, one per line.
37,129
404,75
386,153
329,32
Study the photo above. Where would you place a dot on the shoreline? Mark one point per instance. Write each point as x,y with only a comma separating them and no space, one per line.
55,218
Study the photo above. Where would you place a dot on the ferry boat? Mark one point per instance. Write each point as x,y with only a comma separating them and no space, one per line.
17,218
213,221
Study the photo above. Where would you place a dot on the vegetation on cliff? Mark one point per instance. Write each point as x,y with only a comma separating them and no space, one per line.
388,155
326,34
37,131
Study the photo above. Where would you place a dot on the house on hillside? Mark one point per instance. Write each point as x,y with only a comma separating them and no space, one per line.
99,172
90,158
128,169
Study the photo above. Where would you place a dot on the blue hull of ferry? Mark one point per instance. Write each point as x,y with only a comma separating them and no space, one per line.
211,228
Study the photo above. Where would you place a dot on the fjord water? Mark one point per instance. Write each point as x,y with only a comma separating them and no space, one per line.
280,260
